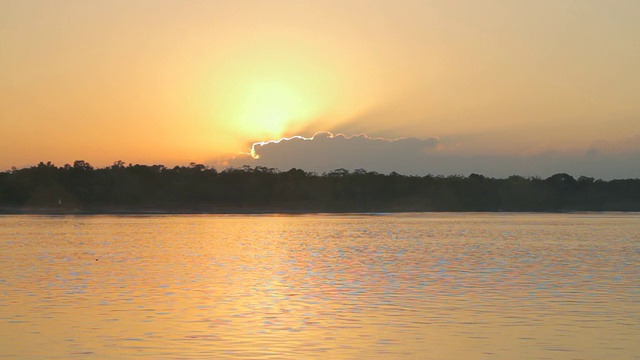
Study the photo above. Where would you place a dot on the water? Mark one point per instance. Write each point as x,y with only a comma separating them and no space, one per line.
403,286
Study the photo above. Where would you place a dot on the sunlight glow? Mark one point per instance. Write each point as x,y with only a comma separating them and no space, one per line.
270,105
269,91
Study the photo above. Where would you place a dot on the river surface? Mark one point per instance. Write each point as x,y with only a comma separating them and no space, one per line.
386,286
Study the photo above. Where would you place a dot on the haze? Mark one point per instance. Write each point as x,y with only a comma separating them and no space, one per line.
170,82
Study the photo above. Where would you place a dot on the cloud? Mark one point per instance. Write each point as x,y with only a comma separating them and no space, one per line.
325,152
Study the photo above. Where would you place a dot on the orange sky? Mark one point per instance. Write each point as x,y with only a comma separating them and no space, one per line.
177,81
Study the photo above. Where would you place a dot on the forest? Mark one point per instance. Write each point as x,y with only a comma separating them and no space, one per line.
196,188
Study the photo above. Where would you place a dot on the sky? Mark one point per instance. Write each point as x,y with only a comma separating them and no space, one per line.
442,87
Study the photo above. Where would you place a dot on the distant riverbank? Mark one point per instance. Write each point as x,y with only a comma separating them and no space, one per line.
193,189
250,211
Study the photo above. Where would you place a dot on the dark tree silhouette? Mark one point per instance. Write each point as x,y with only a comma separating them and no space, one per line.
198,188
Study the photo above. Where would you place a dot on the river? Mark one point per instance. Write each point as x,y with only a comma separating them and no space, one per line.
321,286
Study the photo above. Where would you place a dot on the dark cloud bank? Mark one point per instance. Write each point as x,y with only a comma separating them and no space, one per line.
411,156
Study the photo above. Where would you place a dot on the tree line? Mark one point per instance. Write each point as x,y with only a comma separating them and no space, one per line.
198,188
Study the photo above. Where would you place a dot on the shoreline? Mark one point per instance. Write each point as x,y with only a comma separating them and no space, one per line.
273,211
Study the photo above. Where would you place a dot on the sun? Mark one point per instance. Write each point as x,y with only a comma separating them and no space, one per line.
269,91
270,105
267,104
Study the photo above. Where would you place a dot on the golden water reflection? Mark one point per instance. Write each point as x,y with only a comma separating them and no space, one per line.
410,286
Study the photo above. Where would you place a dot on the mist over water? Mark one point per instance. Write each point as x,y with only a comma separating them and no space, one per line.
411,286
